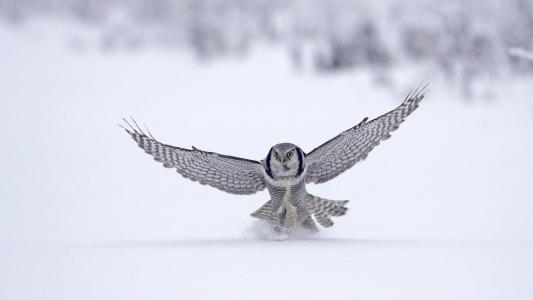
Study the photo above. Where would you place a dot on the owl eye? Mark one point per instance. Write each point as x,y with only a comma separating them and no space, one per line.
289,155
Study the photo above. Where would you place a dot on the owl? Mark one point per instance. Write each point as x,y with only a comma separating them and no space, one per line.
286,169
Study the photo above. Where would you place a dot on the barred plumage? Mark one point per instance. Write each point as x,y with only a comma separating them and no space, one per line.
353,145
324,208
321,209
285,170
227,173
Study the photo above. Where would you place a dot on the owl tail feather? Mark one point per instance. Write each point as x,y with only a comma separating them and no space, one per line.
264,212
322,209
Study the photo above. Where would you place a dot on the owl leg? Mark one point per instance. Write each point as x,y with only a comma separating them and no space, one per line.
278,222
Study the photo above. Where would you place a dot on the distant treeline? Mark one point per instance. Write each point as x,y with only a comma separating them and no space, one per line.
462,39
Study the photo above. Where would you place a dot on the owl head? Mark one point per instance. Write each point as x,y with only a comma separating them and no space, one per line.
285,160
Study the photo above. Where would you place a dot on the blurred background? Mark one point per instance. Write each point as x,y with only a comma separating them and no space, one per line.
442,210
462,43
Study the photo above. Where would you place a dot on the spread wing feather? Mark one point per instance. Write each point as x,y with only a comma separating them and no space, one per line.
227,173
353,145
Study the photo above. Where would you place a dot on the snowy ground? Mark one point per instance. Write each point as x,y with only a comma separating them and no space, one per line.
439,211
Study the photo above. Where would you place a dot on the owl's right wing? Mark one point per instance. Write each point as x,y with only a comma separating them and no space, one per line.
227,173
353,145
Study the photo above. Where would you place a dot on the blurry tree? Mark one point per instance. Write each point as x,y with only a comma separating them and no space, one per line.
463,40
364,47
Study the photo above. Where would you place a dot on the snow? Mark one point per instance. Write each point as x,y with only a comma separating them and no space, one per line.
439,211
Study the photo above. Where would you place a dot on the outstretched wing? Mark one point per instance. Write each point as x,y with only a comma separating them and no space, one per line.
227,173
353,145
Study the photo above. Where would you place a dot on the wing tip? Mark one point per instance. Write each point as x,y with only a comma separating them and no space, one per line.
135,130
417,94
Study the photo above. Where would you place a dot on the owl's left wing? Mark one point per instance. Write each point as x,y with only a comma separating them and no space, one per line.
353,145
227,173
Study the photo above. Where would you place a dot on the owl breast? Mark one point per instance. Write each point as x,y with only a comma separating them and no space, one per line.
288,202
